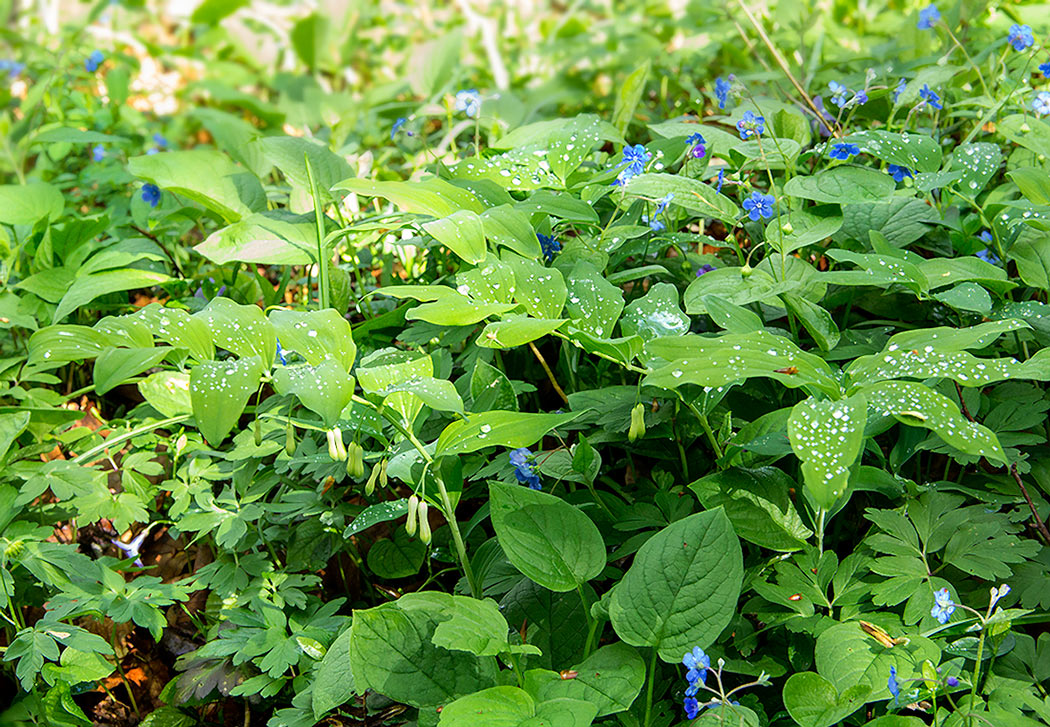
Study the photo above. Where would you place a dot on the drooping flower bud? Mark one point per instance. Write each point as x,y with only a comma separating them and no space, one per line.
289,439
370,486
424,523
637,430
413,509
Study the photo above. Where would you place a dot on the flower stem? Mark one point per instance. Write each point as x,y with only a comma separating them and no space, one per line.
649,689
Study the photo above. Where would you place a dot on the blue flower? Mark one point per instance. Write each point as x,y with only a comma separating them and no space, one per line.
859,98
151,194
549,245
928,96
697,662
750,124
661,206
898,172
280,354
13,68
722,87
721,179
704,269
943,606
929,17
469,101
633,163
989,257
1044,68
951,682
160,141
94,61
838,93
895,688
985,235
523,468
692,707
1020,37
1041,103
899,89
699,148
98,152
759,205
397,125
844,151
134,548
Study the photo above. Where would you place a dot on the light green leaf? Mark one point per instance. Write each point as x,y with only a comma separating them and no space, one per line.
847,657
842,185
381,512
240,329
516,331
462,233
827,437
116,365
690,194
60,344
655,314
629,96
978,163
917,152
289,154
477,626
333,681
491,389
509,227
219,391
276,237
85,289
434,197
205,176
498,429
539,289
179,328
24,204
317,335
593,303
803,227
324,389
813,701
457,310
168,392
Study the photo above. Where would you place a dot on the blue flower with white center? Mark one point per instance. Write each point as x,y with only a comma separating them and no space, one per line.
1041,103
98,152
859,98
661,206
523,468
697,662
697,144
722,87
633,163
1020,37
692,707
397,126
899,89
929,17
751,124
759,205
13,68
94,61
838,93
943,606
894,687
843,152
985,235
469,102
929,96
898,172
989,257
548,245
151,194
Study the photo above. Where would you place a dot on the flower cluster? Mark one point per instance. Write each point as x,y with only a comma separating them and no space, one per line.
898,172
722,87
751,124
94,61
633,163
524,469
1041,103
697,663
548,245
928,96
844,97
697,145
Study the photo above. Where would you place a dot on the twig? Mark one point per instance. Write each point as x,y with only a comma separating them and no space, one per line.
1039,524
962,403
550,374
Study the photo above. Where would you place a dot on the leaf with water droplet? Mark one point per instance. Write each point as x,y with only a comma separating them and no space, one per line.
827,437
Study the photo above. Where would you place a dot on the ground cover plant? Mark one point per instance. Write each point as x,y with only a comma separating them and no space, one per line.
664,364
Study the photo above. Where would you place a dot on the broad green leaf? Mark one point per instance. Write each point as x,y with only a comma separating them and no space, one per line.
878,270
611,679
462,233
210,12
388,368
114,366
813,701
276,237
429,69
690,194
73,135
493,707
61,344
655,314
180,329
477,626
896,362
946,340
289,154
827,436
24,204
539,134
901,220
85,289
400,556
846,656
438,394
126,330
539,289
572,142
730,285
240,329
546,538
918,405
509,227
516,169
491,389
1033,261
219,391
555,622
941,272
562,206
168,392
594,304
978,163
842,185
516,331
317,336
803,227
333,681
381,512
816,319
1033,183
205,176
434,197
733,318
324,389
11,426
491,282
457,310
757,504
917,152
682,588
624,350
498,429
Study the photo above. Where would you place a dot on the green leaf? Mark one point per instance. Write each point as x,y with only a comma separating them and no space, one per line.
847,657
827,437
430,69
114,366
902,220
308,36
611,679
813,701
24,204
546,538
682,589
275,237
456,310
398,557
219,391
60,344
516,331
539,289
381,512
205,176
168,392
324,389
317,335
816,319
594,304
434,197
555,622
1032,182
629,96
180,329
73,135
896,362
917,152
1033,261
730,285
757,504
498,429
689,194
240,329
462,233
504,225
493,707
878,270
491,389
655,314
85,289
978,163
732,318
477,626
803,227
210,12
842,185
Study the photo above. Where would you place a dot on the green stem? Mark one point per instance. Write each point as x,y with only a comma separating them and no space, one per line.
821,517
649,689
592,622
707,430
89,455
322,262
120,670
976,672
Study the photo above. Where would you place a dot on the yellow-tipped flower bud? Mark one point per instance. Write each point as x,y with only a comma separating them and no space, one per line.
370,486
637,430
413,509
424,523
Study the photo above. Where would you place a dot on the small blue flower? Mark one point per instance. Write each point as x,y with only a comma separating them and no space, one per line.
160,141
859,98
1041,103
468,101
989,257
633,163
750,124
692,707
843,152
94,61
661,206
98,152
899,89
985,235
13,68
280,354
397,125
549,245
523,468
930,97
699,148
697,662
1020,37
838,93
943,606
704,269
722,87
759,205
951,682
721,179
151,194
898,172
929,17
1044,68
895,688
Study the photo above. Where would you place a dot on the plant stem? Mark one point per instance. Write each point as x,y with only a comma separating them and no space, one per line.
94,451
1039,524
322,262
649,689
550,374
